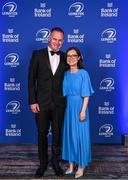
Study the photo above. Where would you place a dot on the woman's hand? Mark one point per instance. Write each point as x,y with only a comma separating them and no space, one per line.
82,116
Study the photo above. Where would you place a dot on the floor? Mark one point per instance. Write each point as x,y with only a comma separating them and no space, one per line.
21,162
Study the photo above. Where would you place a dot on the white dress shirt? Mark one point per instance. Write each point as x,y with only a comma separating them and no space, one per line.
54,60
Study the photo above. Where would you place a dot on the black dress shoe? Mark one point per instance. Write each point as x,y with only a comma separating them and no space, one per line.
39,173
57,169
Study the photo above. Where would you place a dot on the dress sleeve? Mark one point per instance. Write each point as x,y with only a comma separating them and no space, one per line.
86,89
65,84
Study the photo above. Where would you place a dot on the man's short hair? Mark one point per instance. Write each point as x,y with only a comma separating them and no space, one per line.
57,29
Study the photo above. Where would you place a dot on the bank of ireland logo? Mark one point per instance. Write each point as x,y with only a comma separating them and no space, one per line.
109,35
11,59
107,84
106,130
9,9
13,107
76,9
42,35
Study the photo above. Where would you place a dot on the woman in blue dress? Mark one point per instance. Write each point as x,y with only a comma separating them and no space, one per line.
76,135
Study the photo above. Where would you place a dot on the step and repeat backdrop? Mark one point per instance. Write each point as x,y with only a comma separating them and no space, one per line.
96,27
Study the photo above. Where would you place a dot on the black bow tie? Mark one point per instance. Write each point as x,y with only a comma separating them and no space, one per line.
55,52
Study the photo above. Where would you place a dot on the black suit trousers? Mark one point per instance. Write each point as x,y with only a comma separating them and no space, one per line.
51,115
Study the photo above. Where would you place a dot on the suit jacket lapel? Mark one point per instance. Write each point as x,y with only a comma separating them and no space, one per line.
48,62
59,66
47,59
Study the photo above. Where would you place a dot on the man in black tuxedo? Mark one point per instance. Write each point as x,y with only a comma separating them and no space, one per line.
46,71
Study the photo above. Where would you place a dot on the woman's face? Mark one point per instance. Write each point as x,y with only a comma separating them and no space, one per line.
72,58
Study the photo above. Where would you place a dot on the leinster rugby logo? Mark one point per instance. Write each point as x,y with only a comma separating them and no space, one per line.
106,130
9,9
76,9
107,84
109,35
11,60
42,35
13,107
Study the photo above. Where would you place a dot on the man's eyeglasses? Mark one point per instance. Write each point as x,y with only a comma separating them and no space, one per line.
72,56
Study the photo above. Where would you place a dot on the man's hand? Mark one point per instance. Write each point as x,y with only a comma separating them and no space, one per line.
35,108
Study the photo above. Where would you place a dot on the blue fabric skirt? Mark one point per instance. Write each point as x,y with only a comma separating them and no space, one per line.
76,134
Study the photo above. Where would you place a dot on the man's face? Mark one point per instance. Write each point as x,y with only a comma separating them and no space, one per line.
56,40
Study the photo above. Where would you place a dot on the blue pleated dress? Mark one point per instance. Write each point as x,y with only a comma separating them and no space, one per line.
76,134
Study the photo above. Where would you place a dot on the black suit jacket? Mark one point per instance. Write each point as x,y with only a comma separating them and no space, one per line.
43,86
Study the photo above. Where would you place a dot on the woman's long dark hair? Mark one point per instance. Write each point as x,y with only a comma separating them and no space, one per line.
80,62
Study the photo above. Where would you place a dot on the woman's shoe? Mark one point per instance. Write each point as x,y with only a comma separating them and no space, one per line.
79,175
69,171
